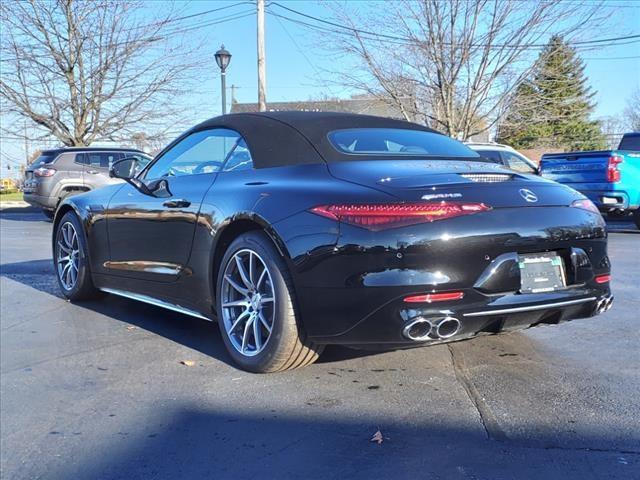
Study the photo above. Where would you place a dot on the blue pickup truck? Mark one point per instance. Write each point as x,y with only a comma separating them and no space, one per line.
610,178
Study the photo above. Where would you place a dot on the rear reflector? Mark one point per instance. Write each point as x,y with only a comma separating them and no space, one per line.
434,297
603,278
585,204
392,215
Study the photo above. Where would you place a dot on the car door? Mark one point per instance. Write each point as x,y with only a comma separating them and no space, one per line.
150,237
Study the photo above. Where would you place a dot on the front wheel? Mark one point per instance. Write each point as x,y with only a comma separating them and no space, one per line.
71,261
256,308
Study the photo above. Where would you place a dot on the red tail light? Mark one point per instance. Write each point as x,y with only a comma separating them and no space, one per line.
434,297
44,172
603,278
613,174
382,216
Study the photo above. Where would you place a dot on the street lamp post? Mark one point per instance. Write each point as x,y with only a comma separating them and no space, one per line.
223,57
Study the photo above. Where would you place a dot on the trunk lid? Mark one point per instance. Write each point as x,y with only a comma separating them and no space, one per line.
455,180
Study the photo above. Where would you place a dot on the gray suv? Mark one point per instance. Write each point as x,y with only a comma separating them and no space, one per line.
63,172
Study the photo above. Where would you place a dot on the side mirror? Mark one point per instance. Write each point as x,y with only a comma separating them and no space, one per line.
124,169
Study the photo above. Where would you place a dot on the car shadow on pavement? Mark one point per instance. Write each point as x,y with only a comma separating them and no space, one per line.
21,214
183,442
194,333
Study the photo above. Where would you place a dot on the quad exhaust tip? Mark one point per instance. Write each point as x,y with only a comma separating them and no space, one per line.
421,329
603,305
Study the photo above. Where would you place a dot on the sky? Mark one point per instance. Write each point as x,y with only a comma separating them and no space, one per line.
295,60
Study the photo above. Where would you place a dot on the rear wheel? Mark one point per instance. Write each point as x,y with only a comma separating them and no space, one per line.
71,261
256,308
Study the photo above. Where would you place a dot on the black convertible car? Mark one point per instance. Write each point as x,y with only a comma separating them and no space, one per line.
296,230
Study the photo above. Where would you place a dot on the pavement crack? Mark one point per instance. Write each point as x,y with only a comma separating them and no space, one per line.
488,419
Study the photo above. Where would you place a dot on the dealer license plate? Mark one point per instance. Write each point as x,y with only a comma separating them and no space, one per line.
541,272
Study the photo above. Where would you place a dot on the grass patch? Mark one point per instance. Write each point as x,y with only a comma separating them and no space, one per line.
11,197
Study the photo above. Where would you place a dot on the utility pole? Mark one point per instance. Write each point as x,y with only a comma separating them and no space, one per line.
262,77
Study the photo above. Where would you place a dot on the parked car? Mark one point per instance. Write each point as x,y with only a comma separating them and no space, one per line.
504,155
60,173
300,229
609,178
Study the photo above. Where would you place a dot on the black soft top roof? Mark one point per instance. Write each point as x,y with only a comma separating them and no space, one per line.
296,138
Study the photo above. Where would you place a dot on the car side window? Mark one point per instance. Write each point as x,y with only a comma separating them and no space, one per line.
102,160
200,152
492,155
517,163
240,158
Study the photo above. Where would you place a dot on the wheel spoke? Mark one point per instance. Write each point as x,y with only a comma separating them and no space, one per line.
251,268
266,300
264,322
236,303
262,275
238,320
62,247
242,272
64,259
257,335
237,287
245,334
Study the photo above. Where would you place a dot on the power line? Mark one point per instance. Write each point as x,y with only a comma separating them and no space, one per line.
410,40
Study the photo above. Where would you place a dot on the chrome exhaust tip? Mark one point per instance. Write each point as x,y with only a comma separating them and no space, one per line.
603,305
421,329
448,327
418,330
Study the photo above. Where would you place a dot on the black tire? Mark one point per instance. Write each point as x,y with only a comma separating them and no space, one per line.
287,346
636,217
48,213
82,288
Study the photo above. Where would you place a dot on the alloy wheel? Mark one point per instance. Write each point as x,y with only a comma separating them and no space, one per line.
248,302
68,255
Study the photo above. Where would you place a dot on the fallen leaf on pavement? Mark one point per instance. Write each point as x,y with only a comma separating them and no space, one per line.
188,363
377,437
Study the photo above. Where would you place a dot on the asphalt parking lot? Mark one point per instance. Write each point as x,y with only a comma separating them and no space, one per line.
98,391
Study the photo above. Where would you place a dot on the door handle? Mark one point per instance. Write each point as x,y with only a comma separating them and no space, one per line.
178,203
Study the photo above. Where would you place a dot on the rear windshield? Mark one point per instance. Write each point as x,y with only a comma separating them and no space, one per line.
396,142
630,142
45,158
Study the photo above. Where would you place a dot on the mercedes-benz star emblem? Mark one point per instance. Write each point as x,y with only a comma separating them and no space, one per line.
528,195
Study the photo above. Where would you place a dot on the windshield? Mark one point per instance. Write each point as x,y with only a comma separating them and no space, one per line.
397,142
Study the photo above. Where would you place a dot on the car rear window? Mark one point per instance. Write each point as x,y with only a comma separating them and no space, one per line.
45,158
630,142
398,142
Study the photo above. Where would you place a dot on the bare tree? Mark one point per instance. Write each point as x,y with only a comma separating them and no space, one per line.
88,70
632,112
453,64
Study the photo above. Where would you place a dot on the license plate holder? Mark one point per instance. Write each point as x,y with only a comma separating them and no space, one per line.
541,272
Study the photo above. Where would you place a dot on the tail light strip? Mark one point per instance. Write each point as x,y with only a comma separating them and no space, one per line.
383,216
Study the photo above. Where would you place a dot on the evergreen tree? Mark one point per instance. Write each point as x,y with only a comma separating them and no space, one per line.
553,108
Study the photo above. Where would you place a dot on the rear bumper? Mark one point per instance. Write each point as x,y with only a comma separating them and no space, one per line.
40,201
389,325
